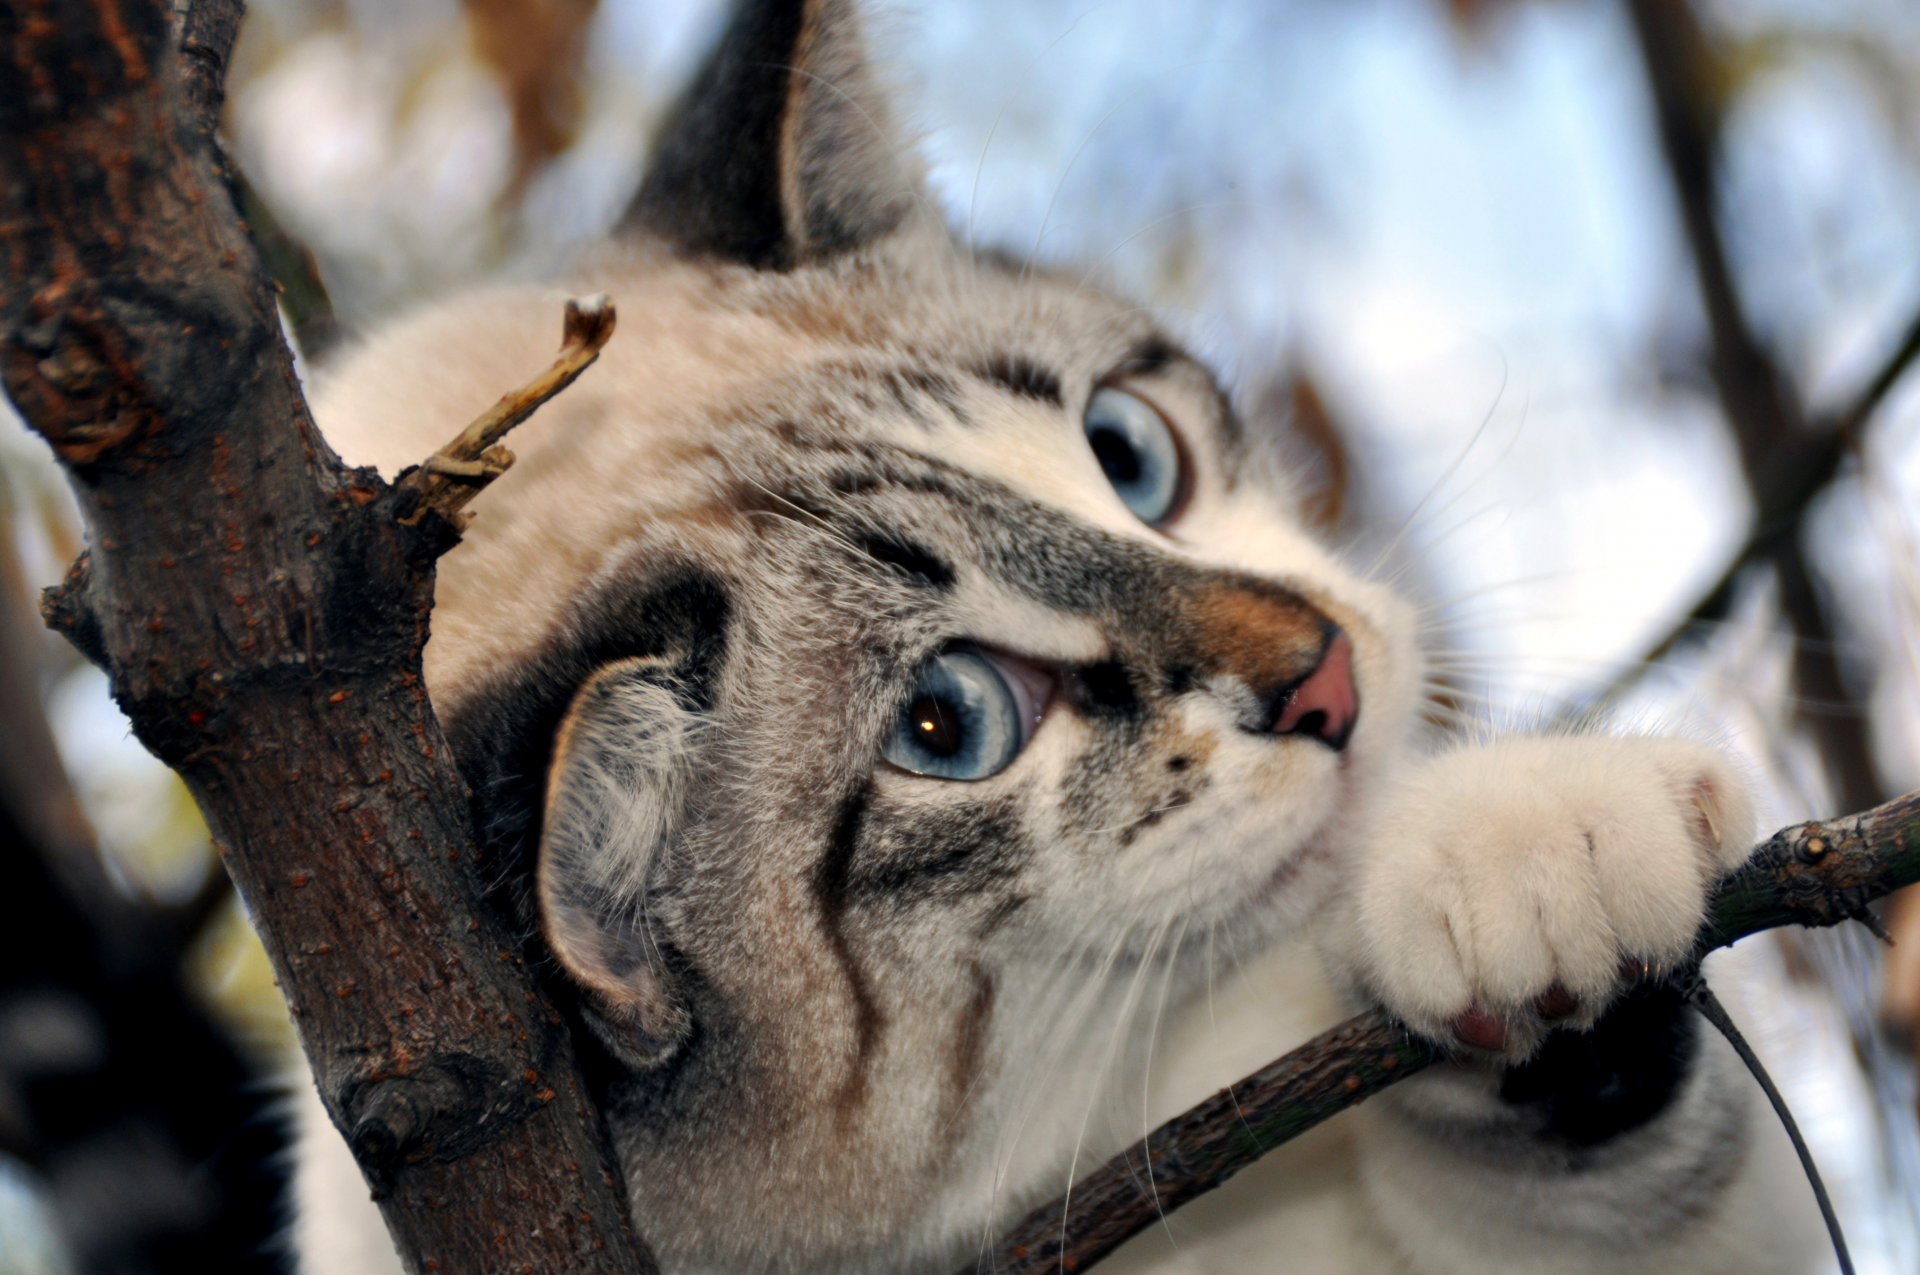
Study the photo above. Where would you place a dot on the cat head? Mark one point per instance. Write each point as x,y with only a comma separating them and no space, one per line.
884,649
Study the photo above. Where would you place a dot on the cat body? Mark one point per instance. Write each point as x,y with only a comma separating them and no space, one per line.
936,749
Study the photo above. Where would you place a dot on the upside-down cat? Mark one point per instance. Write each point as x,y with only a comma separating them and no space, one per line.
938,750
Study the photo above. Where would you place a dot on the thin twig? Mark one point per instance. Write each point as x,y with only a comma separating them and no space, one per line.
1844,434
1811,874
1709,1007
457,472
1849,422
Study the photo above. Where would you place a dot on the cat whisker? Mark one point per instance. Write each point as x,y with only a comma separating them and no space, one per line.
1486,422
1053,200
1146,1071
1136,821
1121,1021
973,195
1085,995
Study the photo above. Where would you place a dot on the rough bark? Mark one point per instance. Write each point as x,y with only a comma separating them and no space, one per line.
1811,874
261,608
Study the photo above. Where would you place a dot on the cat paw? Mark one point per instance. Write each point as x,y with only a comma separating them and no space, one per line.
1519,887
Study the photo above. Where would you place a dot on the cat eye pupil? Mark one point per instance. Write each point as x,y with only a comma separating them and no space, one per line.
1118,460
1137,452
937,726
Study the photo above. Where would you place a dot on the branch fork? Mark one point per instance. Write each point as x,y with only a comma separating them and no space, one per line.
261,611
450,478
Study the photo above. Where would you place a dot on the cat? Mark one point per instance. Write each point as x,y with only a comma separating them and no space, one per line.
937,749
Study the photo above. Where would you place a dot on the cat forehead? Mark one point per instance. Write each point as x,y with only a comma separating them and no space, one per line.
721,382
963,385
1021,328
983,362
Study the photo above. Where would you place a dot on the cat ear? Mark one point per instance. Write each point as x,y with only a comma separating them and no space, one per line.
616,800
783,152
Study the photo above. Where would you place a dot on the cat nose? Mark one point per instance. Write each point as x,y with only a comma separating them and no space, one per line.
1325,703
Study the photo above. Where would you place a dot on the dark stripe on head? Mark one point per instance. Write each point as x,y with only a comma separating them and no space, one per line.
1020,376
918,564
830,888
1150,356
906,382
970,1045
944,856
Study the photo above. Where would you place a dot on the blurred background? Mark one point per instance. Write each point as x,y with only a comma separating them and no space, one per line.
1599,307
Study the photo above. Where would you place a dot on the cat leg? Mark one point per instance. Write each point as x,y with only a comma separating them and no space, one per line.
1504,902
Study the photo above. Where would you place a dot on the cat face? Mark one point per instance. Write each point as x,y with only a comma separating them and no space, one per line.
882,647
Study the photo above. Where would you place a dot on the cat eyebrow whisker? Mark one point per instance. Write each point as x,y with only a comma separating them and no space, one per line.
1180,213
973,195
1086,140
799,516
1453,467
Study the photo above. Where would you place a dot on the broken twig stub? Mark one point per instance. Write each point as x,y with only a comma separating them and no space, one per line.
455,474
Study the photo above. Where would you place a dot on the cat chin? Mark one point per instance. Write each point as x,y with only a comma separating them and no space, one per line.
1283,900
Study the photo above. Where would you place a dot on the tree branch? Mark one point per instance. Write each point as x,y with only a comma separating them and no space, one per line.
1812,874
459,471
260,608
208,29
1844,431
1786,458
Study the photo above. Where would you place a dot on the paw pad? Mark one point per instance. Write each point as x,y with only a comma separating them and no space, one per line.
1481,1030
1556,1003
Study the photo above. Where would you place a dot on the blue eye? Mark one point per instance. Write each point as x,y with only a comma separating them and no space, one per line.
1137,452
968,716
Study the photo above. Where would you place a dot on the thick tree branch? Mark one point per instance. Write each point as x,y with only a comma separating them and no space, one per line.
1812,874
208,30
261,608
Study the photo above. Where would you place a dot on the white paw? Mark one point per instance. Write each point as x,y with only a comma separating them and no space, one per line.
1518,885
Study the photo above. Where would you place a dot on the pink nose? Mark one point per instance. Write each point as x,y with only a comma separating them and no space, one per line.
1325,704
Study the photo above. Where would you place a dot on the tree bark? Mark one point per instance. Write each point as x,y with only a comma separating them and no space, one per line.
261,609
